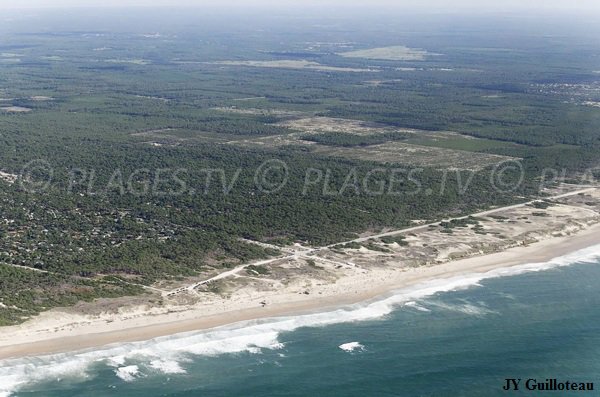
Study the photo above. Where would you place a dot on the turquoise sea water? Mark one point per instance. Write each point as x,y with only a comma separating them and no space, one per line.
458,337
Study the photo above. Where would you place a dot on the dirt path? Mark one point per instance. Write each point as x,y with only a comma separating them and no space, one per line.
478,214
304,252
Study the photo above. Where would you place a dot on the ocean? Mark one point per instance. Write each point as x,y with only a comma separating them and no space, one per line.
457,337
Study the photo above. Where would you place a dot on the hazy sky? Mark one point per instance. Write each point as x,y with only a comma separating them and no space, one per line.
446,5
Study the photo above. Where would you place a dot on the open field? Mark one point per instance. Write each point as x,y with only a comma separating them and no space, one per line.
419,156
444,150
369,141
259,112
318,125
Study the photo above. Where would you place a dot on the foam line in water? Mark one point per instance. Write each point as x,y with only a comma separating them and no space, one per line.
167,355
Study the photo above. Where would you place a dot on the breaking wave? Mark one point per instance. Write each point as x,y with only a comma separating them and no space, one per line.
168,355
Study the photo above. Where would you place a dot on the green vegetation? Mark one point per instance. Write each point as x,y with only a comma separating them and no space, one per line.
109,102
542,214
463,222
542,205
26,293
351,246
313,264
257,270
398,239
374,247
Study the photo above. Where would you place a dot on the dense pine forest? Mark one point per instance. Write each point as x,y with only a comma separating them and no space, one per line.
150,135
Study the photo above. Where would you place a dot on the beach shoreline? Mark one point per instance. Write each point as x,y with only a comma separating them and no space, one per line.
56,332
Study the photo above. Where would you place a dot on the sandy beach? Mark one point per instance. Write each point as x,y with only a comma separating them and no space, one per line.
62,331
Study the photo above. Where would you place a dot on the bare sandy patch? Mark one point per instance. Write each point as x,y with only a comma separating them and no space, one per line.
8,177
322,124
250,98
377,83
592,103
393,53
153,97
484,233
41,98
294,64
15,109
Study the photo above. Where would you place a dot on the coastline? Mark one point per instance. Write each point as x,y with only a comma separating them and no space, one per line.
57,332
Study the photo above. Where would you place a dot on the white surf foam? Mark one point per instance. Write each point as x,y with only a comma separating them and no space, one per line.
351,347
115,361
128,373
465,308
168,353
416,306
167,366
